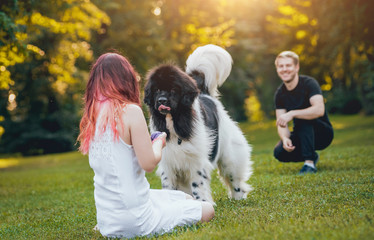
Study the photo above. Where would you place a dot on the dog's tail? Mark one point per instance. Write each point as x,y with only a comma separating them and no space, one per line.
209,65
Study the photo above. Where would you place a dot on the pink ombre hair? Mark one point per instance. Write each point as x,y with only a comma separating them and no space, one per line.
112,84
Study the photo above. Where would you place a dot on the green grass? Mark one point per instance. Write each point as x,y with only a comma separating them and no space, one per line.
51,197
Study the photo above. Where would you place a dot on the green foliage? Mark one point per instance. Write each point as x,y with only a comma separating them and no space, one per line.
51,196
329,49
233,93
152,32
333,38
343,102
44,83
366,89
12,51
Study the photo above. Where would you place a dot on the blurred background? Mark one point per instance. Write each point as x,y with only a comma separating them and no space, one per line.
47,48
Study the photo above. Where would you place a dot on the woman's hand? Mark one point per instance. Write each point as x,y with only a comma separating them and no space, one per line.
162,137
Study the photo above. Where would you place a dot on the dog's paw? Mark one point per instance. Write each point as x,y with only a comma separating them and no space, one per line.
96,228
241,192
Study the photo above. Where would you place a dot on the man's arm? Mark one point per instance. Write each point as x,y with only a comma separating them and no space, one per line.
284,132
316,110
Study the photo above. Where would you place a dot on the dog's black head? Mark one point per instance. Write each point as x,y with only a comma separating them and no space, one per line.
169,90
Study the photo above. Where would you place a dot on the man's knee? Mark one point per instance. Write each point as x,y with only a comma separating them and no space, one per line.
324,138
281,157
278,152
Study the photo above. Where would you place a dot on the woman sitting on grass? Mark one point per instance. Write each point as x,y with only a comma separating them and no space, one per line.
113,131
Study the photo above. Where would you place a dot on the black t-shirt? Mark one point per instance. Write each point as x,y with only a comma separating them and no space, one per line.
298,98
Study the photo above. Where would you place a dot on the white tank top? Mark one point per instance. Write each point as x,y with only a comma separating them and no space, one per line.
119,180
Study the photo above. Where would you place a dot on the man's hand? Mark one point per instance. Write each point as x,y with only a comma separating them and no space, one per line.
287,145
283,119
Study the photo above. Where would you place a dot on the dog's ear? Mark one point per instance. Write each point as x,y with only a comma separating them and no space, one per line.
189,91
148,93
188,98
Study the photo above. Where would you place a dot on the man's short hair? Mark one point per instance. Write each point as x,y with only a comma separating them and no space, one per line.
288,54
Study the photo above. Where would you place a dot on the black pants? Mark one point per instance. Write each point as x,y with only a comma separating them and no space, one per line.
307,137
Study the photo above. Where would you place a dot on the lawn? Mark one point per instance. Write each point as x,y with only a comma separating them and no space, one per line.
51,196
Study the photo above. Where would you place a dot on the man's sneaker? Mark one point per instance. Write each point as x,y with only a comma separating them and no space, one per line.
307,169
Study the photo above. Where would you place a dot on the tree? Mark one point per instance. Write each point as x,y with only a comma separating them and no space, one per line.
47,40
153,32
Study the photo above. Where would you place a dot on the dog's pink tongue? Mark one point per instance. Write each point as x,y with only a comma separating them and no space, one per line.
163,107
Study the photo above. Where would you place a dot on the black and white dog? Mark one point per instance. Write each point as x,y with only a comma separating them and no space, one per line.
200,134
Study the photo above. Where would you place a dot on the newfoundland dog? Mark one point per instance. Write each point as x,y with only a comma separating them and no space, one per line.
200,134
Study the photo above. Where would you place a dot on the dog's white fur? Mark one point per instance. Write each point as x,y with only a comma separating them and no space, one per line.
186,166
215,62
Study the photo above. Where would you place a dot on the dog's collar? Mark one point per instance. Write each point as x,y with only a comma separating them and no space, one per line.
179,141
